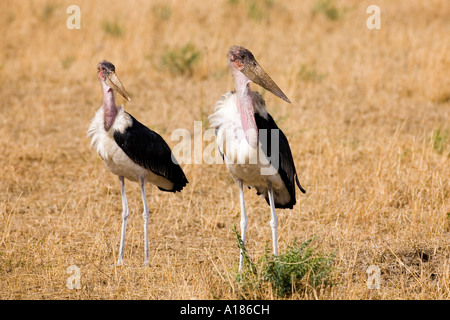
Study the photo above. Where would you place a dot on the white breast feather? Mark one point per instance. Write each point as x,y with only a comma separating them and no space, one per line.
101,140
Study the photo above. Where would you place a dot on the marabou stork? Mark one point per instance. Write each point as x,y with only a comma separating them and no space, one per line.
131,150
246,135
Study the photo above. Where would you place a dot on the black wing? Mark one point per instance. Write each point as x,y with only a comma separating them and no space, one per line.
148,149
286,166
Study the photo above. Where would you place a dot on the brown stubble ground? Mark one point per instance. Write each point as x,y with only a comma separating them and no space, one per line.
361,136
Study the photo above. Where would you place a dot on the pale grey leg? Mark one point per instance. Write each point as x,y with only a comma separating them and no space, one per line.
124,220
243,221
274,219
145,215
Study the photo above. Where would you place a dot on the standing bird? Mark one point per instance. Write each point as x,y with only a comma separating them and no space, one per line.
255,150
131,150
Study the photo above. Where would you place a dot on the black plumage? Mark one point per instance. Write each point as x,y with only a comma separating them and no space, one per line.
286,166
148,149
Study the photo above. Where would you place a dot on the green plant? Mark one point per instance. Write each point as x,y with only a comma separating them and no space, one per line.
257,10
66,62
181,60
163,12
327,8
47,12
309,74
298,266
112,28
440,140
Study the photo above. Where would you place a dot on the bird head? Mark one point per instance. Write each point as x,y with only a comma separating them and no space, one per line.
242,60
107,73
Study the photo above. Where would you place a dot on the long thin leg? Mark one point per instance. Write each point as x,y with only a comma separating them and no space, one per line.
145,216
243,221
124,220
274,218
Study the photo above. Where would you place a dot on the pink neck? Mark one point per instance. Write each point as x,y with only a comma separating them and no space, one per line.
246,109
109,107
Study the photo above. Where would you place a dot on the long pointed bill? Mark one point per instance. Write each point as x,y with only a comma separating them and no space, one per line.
113,81
256,73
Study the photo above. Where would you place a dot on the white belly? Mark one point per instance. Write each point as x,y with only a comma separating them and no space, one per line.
120,164
257,176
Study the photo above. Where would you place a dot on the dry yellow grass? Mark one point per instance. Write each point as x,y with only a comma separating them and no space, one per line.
366,104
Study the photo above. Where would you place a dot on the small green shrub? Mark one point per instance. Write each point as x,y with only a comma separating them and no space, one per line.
310,74
181,60
258,10
299,266
163,12
48,12
112,28
440,140
327,8
67,62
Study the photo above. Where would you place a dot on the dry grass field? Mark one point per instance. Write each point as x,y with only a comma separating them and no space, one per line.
369,128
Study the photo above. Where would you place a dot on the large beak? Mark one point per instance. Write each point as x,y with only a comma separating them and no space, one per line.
113,82
256,73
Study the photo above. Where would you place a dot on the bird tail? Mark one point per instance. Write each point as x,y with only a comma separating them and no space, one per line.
178,179
298,184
